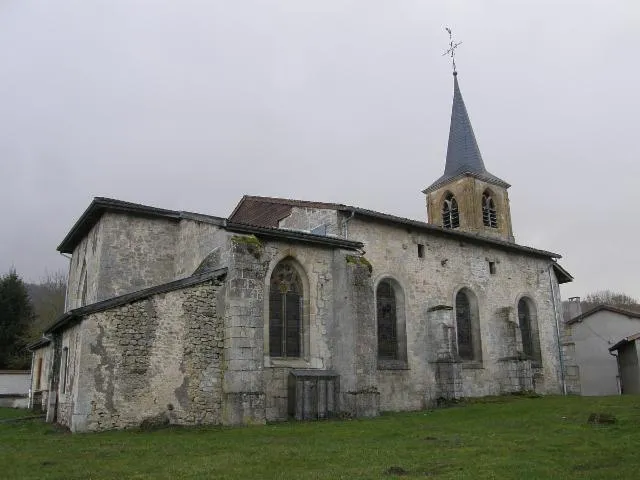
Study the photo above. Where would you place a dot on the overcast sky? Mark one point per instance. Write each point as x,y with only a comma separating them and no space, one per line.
188,105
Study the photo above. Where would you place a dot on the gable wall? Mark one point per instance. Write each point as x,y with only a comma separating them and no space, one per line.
592,338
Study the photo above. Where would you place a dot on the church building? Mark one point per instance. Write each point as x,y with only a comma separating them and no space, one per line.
300,309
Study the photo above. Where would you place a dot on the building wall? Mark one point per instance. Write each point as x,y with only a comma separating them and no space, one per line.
14,388
155,360
591,339
338,329
14,382
84,269
431,281
629,363
196,242
308,219
41,380
137,253
67,384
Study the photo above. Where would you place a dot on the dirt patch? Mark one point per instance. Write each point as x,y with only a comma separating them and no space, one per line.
396,471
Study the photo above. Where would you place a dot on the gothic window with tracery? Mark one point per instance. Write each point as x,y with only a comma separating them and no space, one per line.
489,214
463,327
285,311
450,215
387,321
528,323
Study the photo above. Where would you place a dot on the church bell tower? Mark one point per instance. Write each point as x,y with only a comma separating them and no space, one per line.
467,197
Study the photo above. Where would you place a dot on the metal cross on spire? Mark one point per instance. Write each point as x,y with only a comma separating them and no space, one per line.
452,49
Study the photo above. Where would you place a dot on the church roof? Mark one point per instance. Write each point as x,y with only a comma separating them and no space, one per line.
254,209
463,153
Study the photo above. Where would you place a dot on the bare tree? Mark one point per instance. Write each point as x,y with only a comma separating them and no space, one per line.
48,298
608,297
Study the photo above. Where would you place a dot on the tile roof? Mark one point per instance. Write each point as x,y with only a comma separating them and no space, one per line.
268,211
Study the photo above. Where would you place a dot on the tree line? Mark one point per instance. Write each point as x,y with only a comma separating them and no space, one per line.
26,309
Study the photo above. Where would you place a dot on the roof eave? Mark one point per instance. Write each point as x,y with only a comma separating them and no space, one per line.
293,235
78,313
472,237
443,180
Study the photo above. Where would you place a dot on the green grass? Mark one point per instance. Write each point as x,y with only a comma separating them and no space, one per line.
503,437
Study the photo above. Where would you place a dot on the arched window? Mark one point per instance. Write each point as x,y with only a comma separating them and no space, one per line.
285,311
489,215
392,329
529,328
450,215
467,327
387,321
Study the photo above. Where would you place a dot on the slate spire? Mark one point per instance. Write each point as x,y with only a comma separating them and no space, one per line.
463,153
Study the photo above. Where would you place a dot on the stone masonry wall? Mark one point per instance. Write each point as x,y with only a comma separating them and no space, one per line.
85,266
447,265
338,329
137,253
68,374
310,218
159,359
196,241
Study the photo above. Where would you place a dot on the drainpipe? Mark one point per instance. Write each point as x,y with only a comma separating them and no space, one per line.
555,314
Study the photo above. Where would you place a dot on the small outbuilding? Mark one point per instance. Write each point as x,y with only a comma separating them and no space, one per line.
628,363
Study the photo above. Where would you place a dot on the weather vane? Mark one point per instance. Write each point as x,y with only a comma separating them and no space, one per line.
452,49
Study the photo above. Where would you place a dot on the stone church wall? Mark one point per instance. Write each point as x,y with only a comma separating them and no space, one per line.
137,253
67,380
155,360
308,219
338,329
446,266
85,267
197,241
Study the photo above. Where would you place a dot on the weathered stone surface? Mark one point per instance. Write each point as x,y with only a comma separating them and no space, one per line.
201,354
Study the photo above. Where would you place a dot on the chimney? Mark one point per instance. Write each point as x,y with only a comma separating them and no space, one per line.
571,308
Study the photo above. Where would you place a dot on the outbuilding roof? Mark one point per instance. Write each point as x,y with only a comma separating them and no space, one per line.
624,341
600,308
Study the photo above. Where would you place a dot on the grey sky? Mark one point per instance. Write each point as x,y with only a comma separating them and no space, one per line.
191,104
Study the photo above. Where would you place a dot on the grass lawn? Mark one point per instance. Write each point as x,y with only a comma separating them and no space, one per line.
503,437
